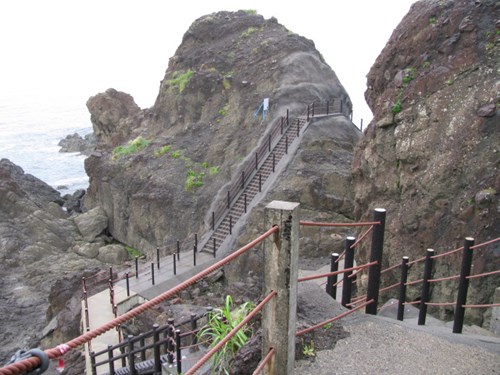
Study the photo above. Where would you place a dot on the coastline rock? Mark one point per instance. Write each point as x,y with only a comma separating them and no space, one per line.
35,235
202,122
428,166
92,223
76,143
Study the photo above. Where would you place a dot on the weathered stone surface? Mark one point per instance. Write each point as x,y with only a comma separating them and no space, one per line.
428,168
209,119
92,223
35,234
88,250
114,254
76,143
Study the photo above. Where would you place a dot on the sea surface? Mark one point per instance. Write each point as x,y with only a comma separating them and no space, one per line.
31,127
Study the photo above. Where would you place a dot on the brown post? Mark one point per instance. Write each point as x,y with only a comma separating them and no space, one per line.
280,275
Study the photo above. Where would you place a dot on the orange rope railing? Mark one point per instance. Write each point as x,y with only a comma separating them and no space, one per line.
414,282
447,253
361,238
320,224
390,268
28,364
485,243
416,261
389,287
481,306
304,331
444,279
223,342
264,362
483,274
313,277
440,303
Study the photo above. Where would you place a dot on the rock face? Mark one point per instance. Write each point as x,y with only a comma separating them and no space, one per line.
76,143
201,126
430,156
40,277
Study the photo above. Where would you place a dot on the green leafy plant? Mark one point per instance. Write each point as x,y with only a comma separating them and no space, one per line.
432,20
193,179
426,64
308,349
161,151
397,107
176,154
219,324
250,12
226,83
131,147
450,82
212,171
180,80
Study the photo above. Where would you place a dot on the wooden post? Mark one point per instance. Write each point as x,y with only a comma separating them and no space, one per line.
280,275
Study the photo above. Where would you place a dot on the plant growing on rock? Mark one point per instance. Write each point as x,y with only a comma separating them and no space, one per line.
161,151
219,324
131,147
180,80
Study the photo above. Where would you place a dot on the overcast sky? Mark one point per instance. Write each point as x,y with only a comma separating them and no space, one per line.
75,49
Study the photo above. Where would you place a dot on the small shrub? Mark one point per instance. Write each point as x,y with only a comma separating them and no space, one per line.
131,147
180,80
226,84
432,20
161,151
212,171
250,12
397,107
193,179
176,154
426,64
450,82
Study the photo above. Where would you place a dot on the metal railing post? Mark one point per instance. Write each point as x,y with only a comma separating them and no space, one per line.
136,267
178,350
158,257
215,248
131,356
156,349
402,288
178,250
127,282
463,285
425,287
111,362
152,273
331,280
174,264
348,263
376,252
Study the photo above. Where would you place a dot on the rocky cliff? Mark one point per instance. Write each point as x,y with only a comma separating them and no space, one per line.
430,155
41,276
156,172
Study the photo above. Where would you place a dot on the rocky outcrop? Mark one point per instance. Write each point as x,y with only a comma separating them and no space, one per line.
430,156
40,277
202,124
76,143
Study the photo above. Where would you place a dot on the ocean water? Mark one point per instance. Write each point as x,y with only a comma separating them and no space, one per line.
31,127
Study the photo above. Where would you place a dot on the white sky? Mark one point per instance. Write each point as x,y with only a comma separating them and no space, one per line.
75,48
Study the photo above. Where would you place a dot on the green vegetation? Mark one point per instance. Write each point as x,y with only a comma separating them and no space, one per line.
450,81
426,64
409,75
328,325
194,179
397,107
249,32
432,20
223,110
490,46
131,147
176,154
180,80
308,349
212,171
133,253
250,12
161,151
219,324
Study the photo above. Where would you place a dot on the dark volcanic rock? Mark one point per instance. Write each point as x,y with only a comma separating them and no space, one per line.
203,117
35,234
76,143
427,159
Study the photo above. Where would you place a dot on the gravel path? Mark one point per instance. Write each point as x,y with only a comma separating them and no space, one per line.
380,345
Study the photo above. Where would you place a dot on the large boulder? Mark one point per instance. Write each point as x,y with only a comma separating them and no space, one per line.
114,254
92,223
